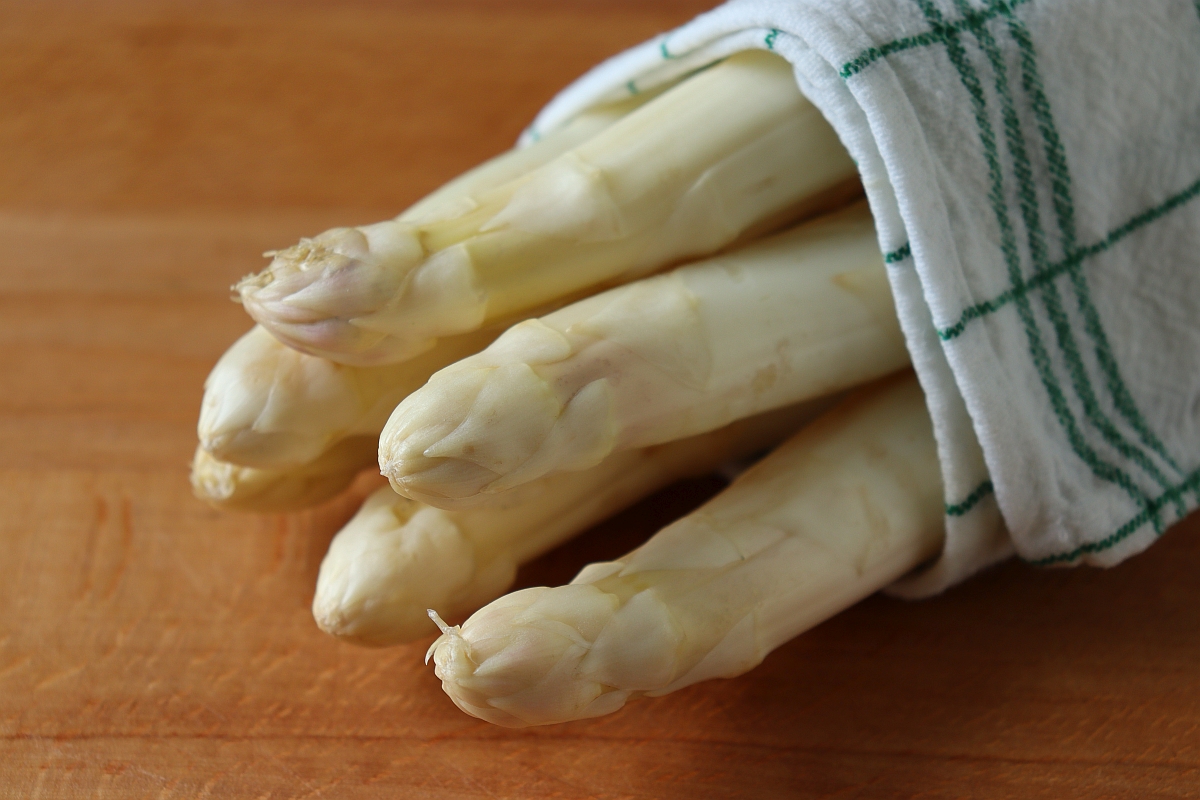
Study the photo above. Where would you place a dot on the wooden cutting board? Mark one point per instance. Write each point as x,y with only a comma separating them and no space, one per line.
153,647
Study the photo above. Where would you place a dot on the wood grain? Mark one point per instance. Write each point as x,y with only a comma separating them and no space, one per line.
152,647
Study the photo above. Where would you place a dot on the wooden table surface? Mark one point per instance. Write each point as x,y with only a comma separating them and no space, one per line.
153,647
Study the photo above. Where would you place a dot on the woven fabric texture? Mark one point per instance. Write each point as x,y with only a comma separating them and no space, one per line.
1033,167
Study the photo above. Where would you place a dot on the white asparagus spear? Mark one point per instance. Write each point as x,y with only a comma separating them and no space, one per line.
236,488
799,315
723,154
398,557
848,505
462,195
269,406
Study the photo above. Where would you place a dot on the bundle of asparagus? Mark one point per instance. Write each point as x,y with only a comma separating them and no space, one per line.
501,449
685,174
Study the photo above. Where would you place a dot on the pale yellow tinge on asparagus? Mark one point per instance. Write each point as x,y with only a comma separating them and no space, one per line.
845,507
398,557
461,195
727,151
237,488
268,406
800,315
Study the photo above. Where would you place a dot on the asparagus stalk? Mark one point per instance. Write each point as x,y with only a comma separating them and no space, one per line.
269,406
398,557
461,195
237,488
848,505
799,315
723,154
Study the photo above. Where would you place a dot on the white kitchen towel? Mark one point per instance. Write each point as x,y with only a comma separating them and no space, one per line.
1034,171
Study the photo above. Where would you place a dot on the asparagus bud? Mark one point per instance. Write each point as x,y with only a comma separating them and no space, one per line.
237,488
398,557
724,153
802,314
347,266
269,406
845,507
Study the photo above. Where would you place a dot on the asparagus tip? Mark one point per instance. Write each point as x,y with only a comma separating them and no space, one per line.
452,631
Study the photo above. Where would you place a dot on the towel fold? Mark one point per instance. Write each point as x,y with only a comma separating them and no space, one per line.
1033,167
